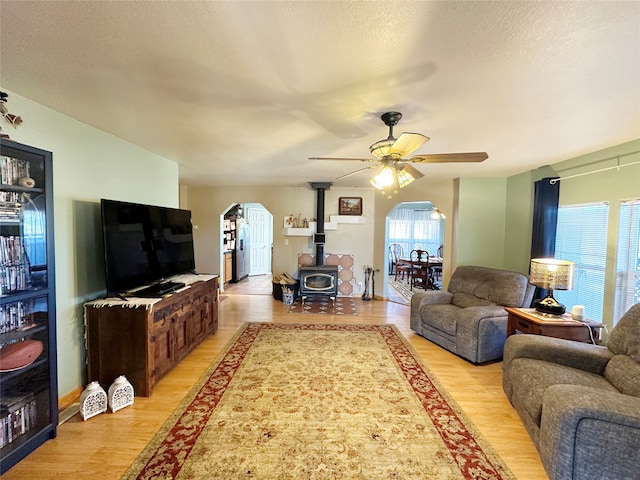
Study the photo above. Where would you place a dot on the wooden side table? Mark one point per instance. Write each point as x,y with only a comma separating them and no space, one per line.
528,320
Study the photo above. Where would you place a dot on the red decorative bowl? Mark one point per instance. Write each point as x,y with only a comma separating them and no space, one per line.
19,355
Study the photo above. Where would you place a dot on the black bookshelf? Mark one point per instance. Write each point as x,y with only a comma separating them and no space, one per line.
28,370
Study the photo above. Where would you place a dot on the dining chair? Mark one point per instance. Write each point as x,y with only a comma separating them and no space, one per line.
403,270
420,274
395,253
436,270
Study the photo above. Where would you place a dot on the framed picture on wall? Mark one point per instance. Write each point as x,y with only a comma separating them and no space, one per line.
350,206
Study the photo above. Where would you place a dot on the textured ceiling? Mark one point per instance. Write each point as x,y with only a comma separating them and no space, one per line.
244,92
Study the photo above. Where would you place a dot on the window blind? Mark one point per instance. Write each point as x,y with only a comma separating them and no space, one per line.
581,237
628,261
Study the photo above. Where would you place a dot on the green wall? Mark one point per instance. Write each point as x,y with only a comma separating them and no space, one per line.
480,226
88,164
518,223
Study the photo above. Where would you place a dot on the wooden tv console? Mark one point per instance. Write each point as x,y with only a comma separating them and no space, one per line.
144,338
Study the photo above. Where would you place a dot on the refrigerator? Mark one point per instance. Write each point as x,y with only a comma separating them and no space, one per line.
241,262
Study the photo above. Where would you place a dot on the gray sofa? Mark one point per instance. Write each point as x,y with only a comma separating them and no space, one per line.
580,403
469,318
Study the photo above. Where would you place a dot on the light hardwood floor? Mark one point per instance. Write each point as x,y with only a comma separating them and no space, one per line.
104,446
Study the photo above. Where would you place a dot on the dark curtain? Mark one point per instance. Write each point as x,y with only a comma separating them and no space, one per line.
545,220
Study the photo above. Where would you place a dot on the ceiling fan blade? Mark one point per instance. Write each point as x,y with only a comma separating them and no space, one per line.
342,158
413,171
357,171
407,143
450,157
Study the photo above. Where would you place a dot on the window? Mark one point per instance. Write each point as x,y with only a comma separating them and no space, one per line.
628,262
582,238
416,229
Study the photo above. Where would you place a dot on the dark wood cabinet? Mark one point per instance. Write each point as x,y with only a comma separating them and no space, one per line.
144,339
28,363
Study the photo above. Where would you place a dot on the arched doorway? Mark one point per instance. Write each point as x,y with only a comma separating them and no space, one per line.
409,226
246,246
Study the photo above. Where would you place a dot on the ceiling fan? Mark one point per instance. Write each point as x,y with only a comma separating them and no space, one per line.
390,153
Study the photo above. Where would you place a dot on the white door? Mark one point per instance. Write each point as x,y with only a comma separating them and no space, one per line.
260,232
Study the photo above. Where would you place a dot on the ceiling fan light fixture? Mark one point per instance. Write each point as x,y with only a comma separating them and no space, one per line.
392,155
404,177
407,174
393,177
391,190
384,178
381,148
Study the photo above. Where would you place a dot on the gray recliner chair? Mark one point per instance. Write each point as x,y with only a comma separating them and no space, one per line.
469,318
579,402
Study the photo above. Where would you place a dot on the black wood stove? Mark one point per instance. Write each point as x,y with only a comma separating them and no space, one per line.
319,279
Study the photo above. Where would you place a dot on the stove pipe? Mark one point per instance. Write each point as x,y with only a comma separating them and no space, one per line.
319,236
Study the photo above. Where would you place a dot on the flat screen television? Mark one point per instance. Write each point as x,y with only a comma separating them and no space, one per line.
144,244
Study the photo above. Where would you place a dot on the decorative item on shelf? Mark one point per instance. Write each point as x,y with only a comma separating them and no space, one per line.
368,283
295,221
551,274
27,182
13,120
19,354
120,394
93,401
350,206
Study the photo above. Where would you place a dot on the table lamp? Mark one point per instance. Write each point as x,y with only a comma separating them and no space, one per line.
551,274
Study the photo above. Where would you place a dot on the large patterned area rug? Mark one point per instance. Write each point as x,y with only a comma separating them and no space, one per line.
323,305
318,401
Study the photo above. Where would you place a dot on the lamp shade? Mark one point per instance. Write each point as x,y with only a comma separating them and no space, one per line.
381,149
394,176
385,178
551,274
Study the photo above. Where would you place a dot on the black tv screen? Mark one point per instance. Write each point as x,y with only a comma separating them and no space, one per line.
144,244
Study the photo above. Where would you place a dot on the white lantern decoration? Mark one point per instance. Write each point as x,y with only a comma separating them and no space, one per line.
93,401
120,394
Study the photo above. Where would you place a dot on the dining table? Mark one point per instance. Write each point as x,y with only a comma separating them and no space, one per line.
430,263
433,262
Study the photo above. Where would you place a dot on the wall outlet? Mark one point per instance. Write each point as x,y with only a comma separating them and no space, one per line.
286,241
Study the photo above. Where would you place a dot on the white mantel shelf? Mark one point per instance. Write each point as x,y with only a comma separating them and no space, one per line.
332,224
